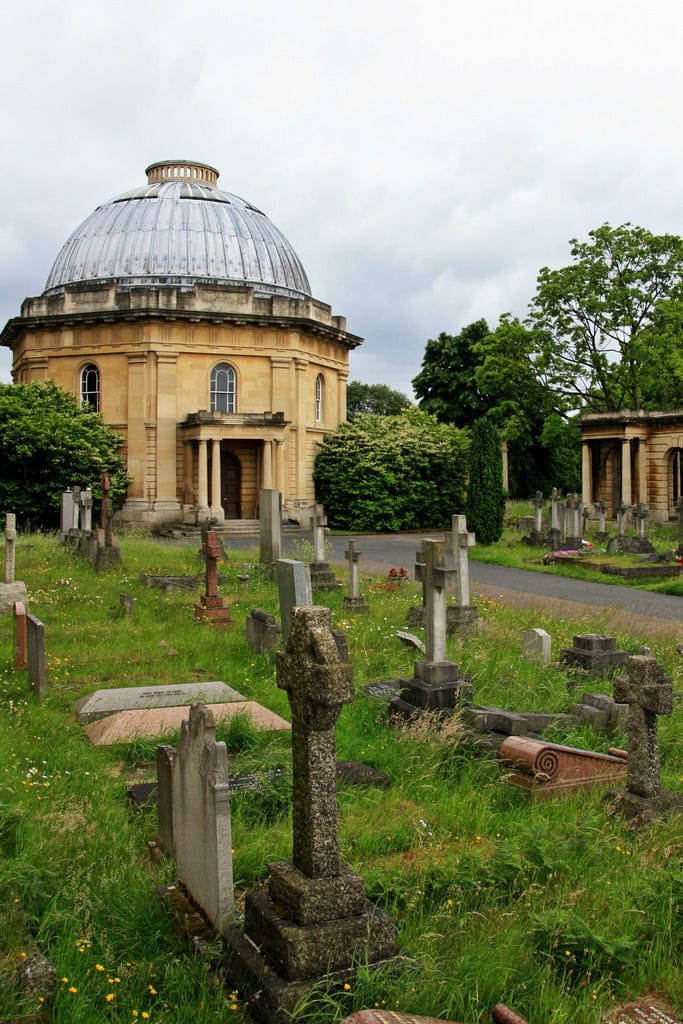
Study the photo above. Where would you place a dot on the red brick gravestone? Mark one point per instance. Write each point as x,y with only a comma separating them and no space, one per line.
211,607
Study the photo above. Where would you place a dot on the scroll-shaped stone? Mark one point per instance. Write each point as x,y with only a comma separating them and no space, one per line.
543,768
648,693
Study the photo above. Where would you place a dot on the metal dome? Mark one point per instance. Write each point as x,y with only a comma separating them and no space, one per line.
178,229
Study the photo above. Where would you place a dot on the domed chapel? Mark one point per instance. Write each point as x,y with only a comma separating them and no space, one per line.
183,315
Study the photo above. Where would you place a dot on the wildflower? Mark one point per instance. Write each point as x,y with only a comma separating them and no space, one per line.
99,967
347,987
152,990
109,996
72,988
144,1015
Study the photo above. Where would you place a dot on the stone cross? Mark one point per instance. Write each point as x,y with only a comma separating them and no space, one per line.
462,540
538,512
621,518
86,509
75,508
10,540
106,484
270,526
640,514
435,578
294,590
318,684
211,550
573,516
601,509
648,693
319,524
584,516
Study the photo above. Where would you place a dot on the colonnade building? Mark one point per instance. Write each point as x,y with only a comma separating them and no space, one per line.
183,315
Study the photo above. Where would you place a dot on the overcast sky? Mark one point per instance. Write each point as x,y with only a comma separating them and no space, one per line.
424,159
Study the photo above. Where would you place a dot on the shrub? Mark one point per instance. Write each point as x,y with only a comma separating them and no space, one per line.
391,473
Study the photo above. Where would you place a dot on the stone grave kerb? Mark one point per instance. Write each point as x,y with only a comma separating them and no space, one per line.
201,815
317,684
648,694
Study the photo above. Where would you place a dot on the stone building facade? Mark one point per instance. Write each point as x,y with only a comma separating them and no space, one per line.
184,316
631,457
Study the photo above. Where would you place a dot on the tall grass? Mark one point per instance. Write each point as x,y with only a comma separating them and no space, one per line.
556,908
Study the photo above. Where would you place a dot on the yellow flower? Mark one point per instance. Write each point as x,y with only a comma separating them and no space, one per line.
72,988
347,987
109,996
152,991
99,967
145,1015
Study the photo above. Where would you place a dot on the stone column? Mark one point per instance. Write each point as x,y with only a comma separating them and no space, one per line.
280,467
10,540
202,481
642,472
586,474
216,507
267,465
188,473
680,526
626,496
166,503
136,437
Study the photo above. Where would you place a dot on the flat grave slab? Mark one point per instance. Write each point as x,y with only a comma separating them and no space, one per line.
648,1010
124,726
135,698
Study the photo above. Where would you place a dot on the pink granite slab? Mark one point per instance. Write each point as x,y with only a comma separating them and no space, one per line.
125,726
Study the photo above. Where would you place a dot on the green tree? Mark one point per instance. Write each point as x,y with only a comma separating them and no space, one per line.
485,507
608,325
48,443
390,473
446,386
374,398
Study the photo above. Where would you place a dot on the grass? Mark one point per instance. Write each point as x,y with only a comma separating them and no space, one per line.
555,908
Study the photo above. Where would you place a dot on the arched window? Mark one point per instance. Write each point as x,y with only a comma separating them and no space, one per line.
222,388
319,389
90,387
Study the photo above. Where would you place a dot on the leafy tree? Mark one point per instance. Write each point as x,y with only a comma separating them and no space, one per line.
485,495
608,325
446,386
48,443
374,398
390,473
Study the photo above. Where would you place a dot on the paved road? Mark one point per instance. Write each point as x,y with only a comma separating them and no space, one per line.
399,549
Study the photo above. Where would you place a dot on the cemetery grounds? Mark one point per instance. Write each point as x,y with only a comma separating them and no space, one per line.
556,907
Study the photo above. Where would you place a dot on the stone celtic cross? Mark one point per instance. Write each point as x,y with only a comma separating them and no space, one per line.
318,684
648,693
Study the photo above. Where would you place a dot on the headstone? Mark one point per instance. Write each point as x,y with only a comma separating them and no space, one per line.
67,513
353,601
466,613
211,607
648,693
153,723
19,635
536,644
598,655
35,646
314,922
437,683
201,816
263,631
294,590
544,768
601,510
500,1014
270,526
322,578
126,604
165,754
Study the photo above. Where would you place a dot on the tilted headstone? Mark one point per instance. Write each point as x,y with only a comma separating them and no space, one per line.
19,635
35,649
270,526
294,590
211,607
314,919
536,644
201,816
263,631
648,693
353,601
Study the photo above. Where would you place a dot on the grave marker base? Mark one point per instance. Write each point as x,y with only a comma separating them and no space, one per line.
356,605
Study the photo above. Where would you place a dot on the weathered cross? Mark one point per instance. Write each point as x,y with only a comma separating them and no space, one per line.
319,524
352,557
435,579
640,514
318,684
648,693
212,552
462,540
601,509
